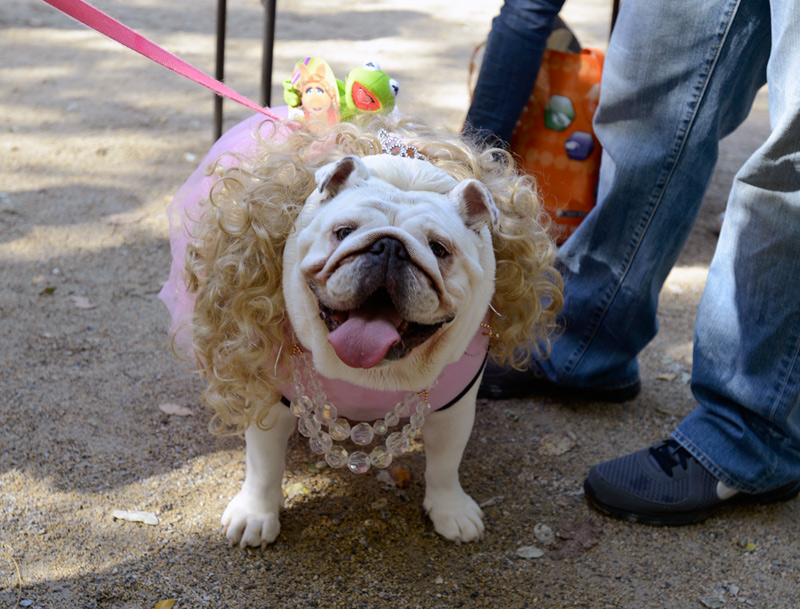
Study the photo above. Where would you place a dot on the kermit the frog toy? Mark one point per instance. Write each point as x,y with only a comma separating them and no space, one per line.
367,90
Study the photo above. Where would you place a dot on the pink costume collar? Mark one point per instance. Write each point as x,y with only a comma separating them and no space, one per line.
361,404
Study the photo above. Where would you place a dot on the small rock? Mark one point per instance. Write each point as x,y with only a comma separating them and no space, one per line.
553,445
544,534
385,477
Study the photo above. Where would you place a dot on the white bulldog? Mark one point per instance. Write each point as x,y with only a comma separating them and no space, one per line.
338,287
387,278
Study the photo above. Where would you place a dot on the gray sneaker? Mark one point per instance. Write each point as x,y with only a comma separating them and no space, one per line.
664,485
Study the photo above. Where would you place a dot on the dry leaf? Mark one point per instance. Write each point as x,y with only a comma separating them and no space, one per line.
296,488
556,444
667,376
401,476
135,516
82,302
167,604
492,501
175,409
575,538
529,552
123,219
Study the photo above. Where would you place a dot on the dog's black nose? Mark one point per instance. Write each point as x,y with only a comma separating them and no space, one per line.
389,251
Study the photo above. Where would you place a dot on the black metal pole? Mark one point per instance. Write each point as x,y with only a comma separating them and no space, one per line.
222,10
266,59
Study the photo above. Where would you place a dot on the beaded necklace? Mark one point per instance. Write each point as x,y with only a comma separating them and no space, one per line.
318,420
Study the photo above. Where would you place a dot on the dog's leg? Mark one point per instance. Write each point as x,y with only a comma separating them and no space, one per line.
252,516
455,514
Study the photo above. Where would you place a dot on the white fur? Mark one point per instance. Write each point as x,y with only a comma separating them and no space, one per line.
454,514
251,518
409,174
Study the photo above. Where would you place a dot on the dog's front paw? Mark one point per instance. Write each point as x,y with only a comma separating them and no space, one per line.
455,515
250,521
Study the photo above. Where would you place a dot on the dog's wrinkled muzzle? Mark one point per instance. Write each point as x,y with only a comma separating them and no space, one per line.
375,329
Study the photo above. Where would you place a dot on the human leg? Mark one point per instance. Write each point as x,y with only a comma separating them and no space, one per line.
746,373
511,62
665,104
742,441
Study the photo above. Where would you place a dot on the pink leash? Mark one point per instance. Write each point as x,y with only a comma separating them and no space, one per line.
98,20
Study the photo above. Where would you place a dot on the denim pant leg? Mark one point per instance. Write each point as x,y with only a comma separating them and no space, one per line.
511,62
746,374
667,98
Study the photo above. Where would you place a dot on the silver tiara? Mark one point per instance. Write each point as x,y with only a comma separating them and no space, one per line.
391,144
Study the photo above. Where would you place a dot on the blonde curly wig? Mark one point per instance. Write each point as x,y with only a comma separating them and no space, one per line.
234,265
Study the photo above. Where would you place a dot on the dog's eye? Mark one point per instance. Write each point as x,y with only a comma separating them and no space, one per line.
439,250
343,232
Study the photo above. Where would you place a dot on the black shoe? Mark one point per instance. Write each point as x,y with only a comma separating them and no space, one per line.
666,486
507,383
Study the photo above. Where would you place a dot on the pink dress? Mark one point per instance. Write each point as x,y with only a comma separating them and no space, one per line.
354,402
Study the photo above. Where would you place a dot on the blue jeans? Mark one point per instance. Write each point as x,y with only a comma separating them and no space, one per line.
680,75
511,62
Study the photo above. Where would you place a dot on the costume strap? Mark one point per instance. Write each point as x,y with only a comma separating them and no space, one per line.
98,20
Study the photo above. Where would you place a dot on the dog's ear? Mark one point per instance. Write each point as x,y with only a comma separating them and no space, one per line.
347,172
475,204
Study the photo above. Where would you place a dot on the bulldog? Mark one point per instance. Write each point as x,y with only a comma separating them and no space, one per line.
388,275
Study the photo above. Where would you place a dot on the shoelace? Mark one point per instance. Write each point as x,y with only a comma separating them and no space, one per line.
669,454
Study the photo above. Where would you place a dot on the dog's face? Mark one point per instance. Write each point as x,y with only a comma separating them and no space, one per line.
390,270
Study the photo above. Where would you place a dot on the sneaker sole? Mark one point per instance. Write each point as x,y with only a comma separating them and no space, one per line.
663,519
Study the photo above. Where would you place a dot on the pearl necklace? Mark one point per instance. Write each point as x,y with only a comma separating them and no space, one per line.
318,420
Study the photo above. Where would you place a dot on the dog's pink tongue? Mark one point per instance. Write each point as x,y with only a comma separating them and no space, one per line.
365,338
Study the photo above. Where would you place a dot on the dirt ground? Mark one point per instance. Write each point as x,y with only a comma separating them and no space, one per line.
94,139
